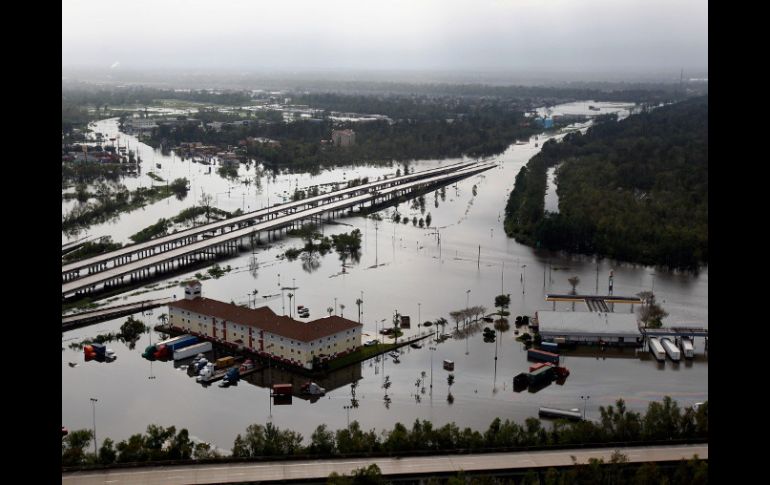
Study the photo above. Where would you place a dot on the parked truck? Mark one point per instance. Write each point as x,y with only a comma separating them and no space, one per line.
185,341
541,376
225,362
688,348
549,346
192,350
542,356
657,349
282,389
673,352
560,414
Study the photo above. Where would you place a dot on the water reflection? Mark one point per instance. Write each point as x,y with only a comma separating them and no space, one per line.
311,261
331,381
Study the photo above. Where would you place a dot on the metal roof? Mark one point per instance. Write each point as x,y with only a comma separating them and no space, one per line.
588,323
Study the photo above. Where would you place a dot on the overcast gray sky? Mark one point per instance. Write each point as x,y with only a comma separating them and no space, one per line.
490,35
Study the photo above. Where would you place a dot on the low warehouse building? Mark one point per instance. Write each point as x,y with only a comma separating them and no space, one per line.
590,328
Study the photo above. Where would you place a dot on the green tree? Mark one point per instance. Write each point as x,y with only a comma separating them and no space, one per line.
650,312
74,446
107,453
322,441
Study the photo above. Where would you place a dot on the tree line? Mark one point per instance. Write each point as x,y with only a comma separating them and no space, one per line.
662,421
634,190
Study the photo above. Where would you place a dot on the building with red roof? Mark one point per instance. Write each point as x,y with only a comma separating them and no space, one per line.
262,331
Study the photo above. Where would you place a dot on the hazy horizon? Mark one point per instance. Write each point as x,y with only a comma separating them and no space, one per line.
633,40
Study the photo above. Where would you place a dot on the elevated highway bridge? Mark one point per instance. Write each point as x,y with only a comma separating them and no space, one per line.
168,256
136,252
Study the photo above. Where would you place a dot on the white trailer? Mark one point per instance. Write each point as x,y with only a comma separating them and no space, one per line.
671,349
171,340
192,350
688,347
657,349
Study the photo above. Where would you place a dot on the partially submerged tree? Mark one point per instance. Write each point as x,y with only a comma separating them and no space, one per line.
650,312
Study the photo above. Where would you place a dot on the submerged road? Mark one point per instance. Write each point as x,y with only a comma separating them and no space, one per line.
425,465
76,319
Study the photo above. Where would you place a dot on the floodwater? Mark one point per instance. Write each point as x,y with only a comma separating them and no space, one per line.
551,197
402,268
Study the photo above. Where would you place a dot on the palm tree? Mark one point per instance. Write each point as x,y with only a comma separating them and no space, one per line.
163,318
574,282
330,310
342,309
359,301
290,295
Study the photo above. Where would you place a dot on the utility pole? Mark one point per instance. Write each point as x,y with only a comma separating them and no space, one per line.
502,278
93,404
419,321
597,276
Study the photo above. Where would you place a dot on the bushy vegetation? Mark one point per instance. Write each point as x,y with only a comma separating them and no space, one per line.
635,190
151,231
113,202
91,248
662,421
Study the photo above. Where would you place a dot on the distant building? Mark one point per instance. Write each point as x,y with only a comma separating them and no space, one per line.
139,124
262,331
545,122
343,138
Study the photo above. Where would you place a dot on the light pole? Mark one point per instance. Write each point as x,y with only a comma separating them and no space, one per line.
335,306
585,402
419,321
347,408
653,282
270,378
93,405
467,298
294,289
523,281
432,349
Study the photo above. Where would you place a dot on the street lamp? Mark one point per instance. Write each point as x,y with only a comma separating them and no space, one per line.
348,408
432,349
335,306
467,298
585,402
419,321
93,405
270,378
653,282
523,282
